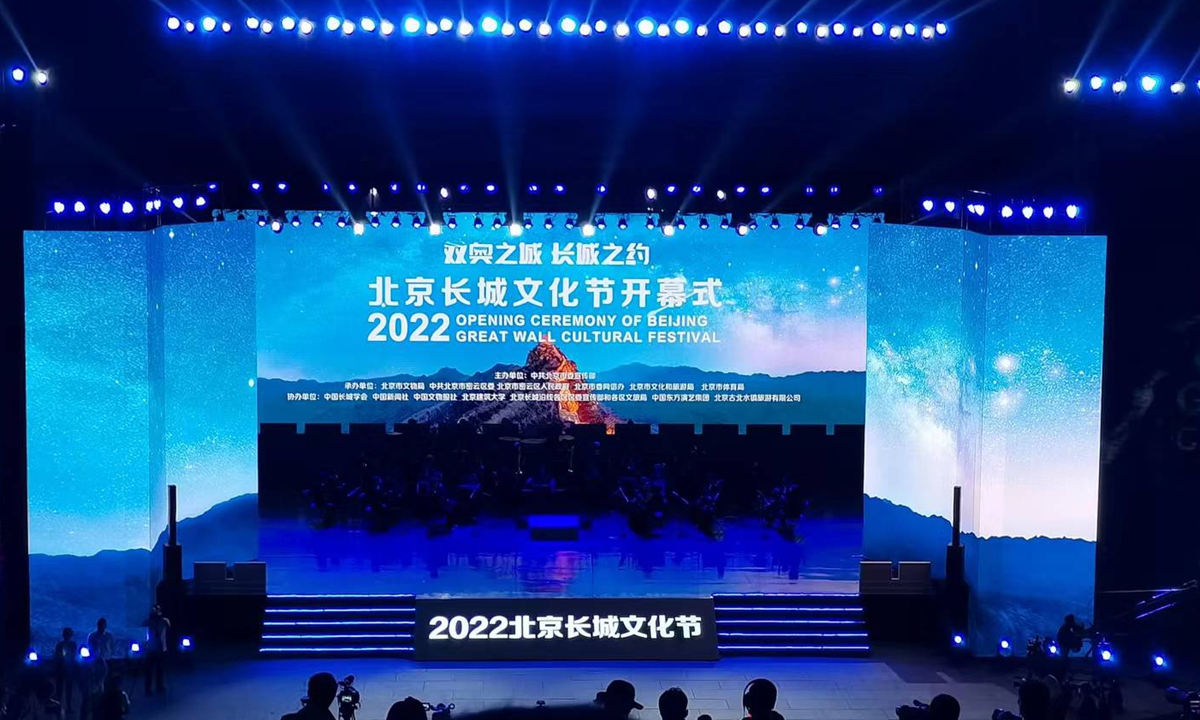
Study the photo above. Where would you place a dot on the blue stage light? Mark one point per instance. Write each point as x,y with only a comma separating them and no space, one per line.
1048,212
651,194
353,188
507,29
950,206
724,27
835,190
621,29
490,188
17,74
801,28
877,29
780,31
774,222
252,23
411,25
663,31
85,652
348,27
189,27
149,206
910,29
568,24
59,207
332,23
525,24
822,31
760,28
1072,211
895,32
940,28
585,29
489,24
1178,87
743,31
697,189
570,222
465,28
463,189
1027,211
765,190
740,189
80,207
135,648
386,28
839,29
367,24
927,32
533,189
1004,648
544,29
201,201
431,28
959,640
288,23
927,205
560,189
186,643
858,31
1120,86
127,208
174,23
255,186
683,26
444,193
1006,212
281,187
105,208
1158,661
1096,82
226,26
31,657
721,195
645,27
1005,644
877,191
296,220
1150,83
1071,86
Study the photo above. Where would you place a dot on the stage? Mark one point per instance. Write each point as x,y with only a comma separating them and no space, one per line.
808,689
495,558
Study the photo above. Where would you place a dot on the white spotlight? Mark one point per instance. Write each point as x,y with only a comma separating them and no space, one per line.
682,26
516,229
386,28
801,28
1027,211
927,32
621,29
663,30
411,25
348,27
288,23
743,31
368,24
489,25
209,24
507,29
331,23
544,29
568,25
822,31
600,26
760,28
941,28
525,24
910,29
1120,86
724,27
306,27
857,31
780,31
1178,87
1048,212
445,24
1071,86
435,229
1072,211
877,29
839,29
701,31
950,206
651,194
585,29
895,32
465,28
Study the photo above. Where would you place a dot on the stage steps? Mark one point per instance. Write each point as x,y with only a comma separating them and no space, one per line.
777,624
341,625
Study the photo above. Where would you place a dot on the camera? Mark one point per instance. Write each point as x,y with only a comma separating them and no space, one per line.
439,711
348,699
1190,700
917,711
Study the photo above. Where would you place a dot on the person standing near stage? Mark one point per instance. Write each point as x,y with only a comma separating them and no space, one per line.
157,626
66,668
322,690
101,643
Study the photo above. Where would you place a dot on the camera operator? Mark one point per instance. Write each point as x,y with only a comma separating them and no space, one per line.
942,707
1033,703
348,699
322,690
1189,700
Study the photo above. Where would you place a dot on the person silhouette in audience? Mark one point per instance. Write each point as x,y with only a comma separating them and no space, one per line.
409,708
93,672
322,689
101,643
41,704
618,699
1033,700
113,703
673,704
66,668
758,700
944,707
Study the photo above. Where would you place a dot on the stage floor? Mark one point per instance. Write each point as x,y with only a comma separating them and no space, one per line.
496,558
808,688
